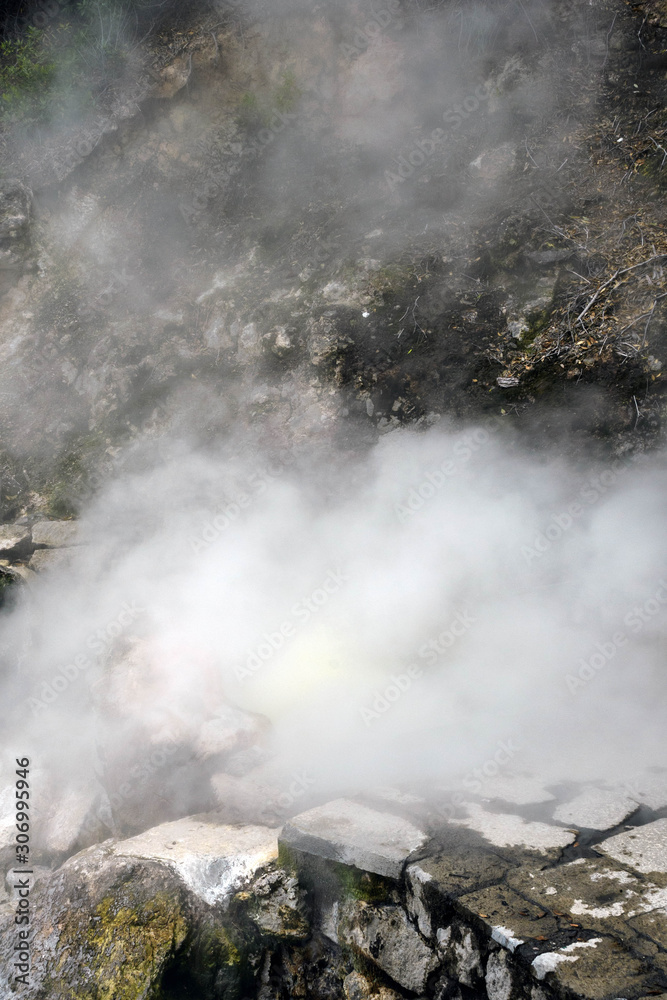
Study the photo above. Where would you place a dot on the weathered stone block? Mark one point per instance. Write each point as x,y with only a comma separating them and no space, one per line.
55,534
212,860
353,834
385,936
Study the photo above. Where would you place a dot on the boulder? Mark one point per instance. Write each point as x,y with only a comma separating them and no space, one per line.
353,834
212,859
54,534
100,926
385,936
45,560
115,919
14,540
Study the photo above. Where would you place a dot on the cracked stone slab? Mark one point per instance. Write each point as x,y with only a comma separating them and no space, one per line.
597,969
643,848
506,830
353,834
594,894
386,937
596,809
213,860
509,919
456,871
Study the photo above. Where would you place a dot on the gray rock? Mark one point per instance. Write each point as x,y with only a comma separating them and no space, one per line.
460,867
510,920
547,258
592,893
353,834
15,221
246,800
461,953
501,979
45,560
386,937
55,534
358,987
596,808
596,968
212,859
99,925
416,902
643,848
231,730
70,820
14,540
275,905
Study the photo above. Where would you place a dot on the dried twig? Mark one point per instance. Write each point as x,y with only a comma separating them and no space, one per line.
615,275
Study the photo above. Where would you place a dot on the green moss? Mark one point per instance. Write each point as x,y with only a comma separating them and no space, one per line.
537,322
216,949
26,76
287,858
122,950
365,886
215,962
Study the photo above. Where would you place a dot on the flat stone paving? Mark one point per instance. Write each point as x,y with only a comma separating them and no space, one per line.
644,848
508,905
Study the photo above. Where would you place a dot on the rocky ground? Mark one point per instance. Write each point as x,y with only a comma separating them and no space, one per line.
238,220
522,895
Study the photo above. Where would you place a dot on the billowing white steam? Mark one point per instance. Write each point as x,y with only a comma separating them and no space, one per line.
395,619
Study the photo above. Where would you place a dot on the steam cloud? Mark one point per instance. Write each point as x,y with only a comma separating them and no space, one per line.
396,609
394,620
